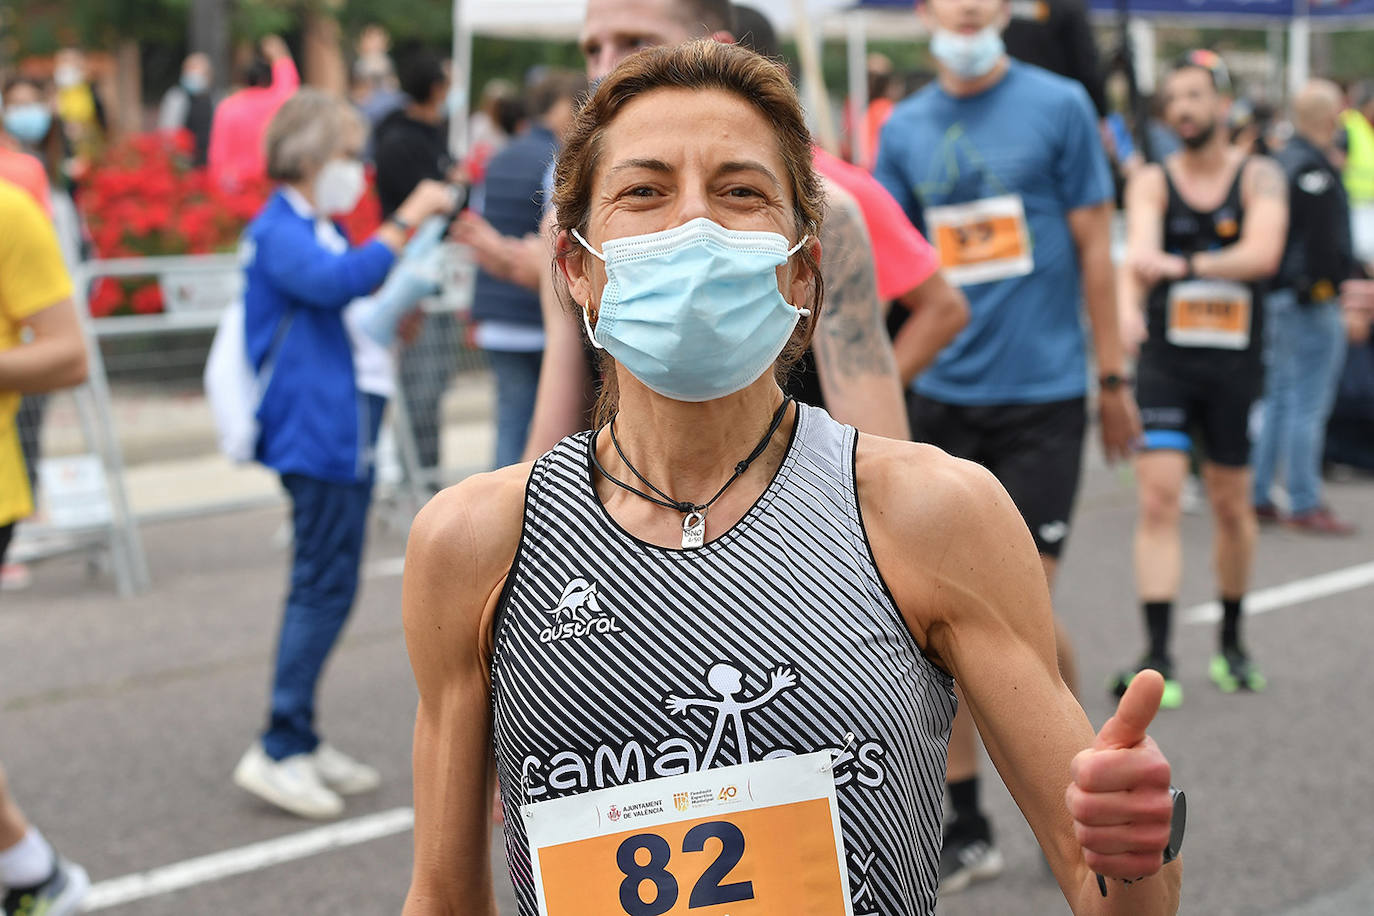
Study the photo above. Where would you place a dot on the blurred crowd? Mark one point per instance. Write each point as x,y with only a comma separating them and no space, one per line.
333,325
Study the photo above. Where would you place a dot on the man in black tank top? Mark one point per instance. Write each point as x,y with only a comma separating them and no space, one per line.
1204,233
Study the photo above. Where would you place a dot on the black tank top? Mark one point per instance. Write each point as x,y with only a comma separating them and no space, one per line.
1188,231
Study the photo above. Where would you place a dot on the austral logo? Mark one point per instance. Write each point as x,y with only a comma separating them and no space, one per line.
578,614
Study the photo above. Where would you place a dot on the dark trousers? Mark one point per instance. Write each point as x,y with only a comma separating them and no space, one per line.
330,522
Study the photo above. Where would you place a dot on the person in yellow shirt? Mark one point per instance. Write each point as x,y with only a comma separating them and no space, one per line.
41,349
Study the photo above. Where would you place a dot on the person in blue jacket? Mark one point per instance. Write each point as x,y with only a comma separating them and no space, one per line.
325,389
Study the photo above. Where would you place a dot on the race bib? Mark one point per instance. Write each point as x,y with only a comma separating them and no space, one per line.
982,241
757,839
1210,313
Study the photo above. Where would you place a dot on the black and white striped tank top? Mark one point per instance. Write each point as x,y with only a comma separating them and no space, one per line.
597,630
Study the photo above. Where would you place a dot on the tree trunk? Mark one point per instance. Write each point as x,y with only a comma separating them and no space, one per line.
128,116
209,34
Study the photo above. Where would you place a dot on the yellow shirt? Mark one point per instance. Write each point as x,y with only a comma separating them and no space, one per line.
32,278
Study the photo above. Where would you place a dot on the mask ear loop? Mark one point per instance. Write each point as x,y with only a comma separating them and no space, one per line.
587,309
804,313
587,324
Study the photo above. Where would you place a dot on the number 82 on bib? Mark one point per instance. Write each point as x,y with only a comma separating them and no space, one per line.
752,840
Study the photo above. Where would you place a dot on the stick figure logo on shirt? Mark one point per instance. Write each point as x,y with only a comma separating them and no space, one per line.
727,682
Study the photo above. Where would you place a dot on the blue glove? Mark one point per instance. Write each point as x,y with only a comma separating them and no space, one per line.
415,276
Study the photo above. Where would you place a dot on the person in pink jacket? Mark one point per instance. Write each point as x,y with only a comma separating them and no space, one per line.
236,156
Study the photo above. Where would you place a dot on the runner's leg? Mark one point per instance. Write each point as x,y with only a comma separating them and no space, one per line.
13,826
1160,475
1229,486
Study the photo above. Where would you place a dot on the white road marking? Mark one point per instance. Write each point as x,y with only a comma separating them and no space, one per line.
1290,593
385,569
253,857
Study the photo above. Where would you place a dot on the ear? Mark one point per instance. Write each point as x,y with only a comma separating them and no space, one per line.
803,276
724,37
572,260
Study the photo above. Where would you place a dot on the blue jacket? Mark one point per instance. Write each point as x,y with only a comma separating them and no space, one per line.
312,419
513,202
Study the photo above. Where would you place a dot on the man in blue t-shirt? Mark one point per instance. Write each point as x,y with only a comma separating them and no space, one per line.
1001,164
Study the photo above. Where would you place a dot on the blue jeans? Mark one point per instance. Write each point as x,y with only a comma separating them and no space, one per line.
330,525
517,379
1304,350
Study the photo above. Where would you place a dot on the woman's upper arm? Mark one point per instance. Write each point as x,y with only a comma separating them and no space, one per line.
452,583
966,576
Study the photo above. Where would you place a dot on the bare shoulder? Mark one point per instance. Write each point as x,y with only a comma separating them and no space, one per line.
843,234
1147,183
935,523
460,550
1264,178
920,488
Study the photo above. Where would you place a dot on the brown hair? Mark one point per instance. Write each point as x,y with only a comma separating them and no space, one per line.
696,65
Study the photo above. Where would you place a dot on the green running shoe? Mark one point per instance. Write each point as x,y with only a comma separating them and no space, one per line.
1173,690
1232,670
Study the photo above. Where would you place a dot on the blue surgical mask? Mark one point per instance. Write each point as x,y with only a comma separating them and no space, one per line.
969,56
28,123
194,83
694,312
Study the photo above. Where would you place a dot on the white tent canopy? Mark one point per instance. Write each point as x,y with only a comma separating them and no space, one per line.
562,19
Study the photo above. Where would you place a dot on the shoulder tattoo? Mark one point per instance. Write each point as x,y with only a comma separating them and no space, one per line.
852,336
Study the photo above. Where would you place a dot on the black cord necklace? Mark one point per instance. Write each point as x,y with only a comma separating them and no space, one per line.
693,514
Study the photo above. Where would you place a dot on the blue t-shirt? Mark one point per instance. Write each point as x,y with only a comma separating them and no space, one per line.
1034,134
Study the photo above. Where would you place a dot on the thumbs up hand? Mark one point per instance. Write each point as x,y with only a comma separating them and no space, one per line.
1118,792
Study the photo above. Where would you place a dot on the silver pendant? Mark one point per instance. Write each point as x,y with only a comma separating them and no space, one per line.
693,530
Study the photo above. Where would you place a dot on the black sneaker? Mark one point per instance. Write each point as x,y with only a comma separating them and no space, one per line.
60,895
1173,690
965,859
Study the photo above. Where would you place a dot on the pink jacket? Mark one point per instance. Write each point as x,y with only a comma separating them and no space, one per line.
237,153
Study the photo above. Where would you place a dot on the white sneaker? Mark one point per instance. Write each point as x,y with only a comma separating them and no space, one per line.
291,784
342,773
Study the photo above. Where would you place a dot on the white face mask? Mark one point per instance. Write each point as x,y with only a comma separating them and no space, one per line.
66,76
339,186
969,56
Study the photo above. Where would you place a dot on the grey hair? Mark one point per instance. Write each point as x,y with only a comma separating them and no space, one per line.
306,132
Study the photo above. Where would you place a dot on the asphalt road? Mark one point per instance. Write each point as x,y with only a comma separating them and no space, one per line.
120,722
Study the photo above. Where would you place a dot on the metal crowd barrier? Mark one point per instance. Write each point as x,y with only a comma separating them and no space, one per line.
104,485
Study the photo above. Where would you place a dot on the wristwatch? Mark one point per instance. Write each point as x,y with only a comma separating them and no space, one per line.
399,223
1112,381
1178,822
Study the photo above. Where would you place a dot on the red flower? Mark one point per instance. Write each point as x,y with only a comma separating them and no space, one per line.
147,300
106,296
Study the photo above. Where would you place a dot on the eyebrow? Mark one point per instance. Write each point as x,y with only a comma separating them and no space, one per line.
652,165
658,165
749,166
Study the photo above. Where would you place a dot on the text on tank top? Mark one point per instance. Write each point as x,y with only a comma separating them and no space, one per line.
617,661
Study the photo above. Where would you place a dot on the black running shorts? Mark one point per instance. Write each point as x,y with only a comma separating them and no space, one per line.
6,532
1035,450
1187,401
